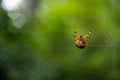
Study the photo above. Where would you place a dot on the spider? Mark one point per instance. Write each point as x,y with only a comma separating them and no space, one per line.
80,41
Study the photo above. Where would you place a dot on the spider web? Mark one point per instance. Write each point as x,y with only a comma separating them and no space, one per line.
109,41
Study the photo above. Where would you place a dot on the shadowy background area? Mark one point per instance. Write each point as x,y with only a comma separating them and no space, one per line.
36,40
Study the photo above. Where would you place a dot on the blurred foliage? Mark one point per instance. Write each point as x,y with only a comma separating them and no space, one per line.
38,44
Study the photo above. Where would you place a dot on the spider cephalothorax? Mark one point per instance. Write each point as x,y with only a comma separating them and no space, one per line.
80,41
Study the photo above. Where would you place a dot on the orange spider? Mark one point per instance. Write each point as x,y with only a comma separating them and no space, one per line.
80,41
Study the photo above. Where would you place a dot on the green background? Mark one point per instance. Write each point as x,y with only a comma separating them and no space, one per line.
43,47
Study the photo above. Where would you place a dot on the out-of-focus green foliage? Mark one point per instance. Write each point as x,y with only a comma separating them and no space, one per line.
42,46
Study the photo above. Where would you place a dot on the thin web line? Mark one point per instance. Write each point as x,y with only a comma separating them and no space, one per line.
110,40
100,45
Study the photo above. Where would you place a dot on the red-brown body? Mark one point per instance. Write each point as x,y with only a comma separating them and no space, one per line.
80,41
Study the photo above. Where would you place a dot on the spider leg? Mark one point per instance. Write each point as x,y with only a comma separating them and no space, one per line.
88,34
88,38
85,36
74,32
